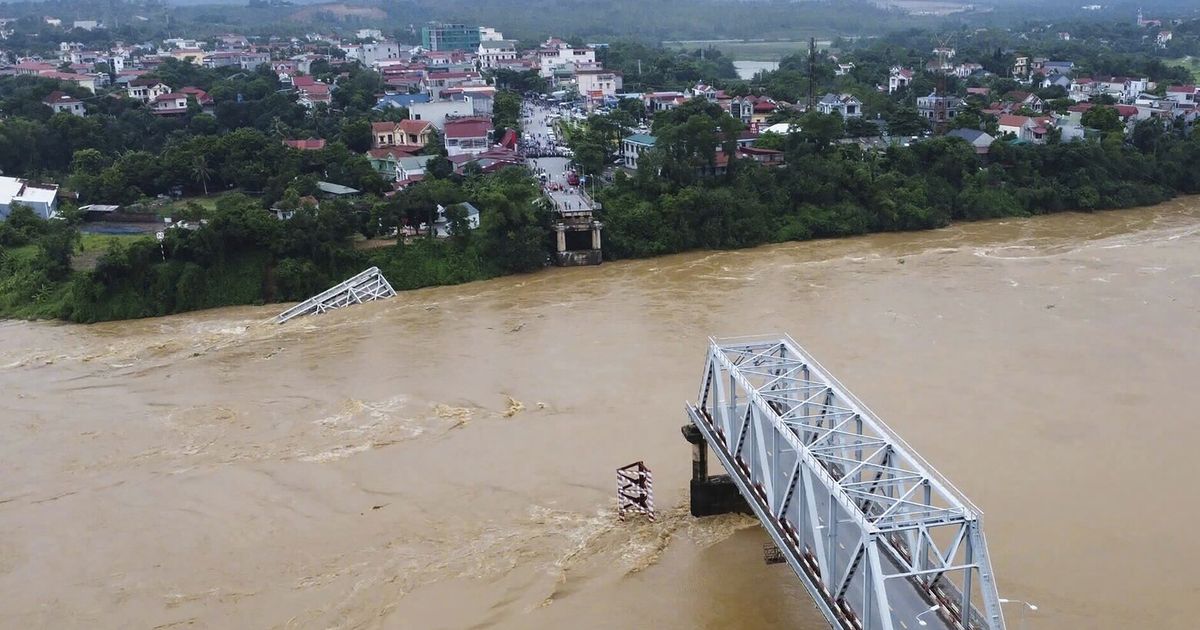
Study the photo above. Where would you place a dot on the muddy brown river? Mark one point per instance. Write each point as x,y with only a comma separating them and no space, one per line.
445,459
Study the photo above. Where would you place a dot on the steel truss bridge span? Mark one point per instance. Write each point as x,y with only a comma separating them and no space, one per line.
366,286
877,536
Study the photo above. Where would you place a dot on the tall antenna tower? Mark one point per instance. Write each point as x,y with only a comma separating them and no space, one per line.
812,72
941,118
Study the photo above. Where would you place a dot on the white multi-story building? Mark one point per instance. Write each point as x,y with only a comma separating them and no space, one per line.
596,83
633,147
553,58
494,53
146,90
61,102
899,78
845,104
437,111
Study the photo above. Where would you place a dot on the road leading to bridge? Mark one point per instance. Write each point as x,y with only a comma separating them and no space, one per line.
561,193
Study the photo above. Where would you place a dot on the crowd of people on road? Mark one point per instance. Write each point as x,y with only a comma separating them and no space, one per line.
539,147
538,117
558,182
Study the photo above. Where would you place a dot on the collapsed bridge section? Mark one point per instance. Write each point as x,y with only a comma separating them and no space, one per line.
877,536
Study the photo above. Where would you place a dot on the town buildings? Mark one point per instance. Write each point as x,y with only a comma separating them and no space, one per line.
469,136
146,90
43,200
496,53
899,78
441,37
405,133
846,105
596,84
633,147
170,104
60,102
556,55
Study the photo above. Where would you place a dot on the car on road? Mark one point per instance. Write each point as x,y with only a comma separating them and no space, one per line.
572,178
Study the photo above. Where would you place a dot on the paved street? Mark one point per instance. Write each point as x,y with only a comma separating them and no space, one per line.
537,124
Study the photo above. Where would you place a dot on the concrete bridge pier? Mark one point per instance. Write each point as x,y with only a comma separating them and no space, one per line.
715,494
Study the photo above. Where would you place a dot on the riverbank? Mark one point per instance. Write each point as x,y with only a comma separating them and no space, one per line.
421,264
673,203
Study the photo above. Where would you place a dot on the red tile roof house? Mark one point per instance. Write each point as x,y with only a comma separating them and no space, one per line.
201,97
467,136
1183,94
1025,128
32,68
61,102
311,95
1125,112
170,104
310,144
406,133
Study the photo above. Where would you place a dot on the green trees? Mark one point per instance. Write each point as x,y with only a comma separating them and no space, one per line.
689,136
651,68
597,140
519,82
356,133
201,172
506,111
906,122
515,229
842,189
1102,118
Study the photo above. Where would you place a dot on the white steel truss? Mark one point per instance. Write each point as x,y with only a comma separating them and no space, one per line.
364,287
875,533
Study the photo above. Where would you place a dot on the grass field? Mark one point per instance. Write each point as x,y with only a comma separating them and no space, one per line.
93,246
1191,63
208,203
100,242
749,50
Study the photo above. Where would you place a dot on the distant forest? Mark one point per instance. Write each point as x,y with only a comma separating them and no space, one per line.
595,20
592,20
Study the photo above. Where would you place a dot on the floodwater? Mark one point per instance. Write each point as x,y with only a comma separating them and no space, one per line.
747,70
445,459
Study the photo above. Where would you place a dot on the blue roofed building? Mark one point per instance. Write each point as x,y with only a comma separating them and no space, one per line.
400,100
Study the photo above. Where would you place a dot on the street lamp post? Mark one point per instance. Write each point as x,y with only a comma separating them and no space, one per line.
1027,605
932,609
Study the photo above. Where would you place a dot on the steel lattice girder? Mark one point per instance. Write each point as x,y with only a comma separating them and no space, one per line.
364,287
874,532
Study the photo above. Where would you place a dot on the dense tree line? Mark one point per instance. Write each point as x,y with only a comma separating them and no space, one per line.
673,202
238,253
649,68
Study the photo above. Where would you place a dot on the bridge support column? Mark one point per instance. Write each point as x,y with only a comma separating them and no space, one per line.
715,494
561,238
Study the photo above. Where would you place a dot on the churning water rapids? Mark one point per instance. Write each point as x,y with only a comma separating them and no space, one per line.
445,459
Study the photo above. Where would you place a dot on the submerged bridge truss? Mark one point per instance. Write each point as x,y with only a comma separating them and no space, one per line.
364,287
877,536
